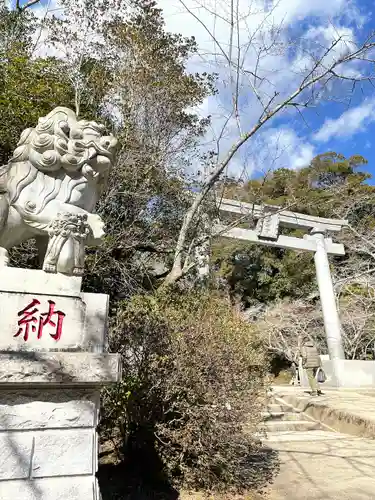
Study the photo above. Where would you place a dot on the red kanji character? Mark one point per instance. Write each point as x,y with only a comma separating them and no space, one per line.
28,320
48,321
25,322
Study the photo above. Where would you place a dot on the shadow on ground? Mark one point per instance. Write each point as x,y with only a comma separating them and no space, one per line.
141,478
117,482
262,469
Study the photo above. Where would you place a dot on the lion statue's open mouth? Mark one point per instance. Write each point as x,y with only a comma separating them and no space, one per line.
49,188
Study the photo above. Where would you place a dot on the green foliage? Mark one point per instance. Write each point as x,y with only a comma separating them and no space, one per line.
333,169
147,197
259,274
324,188
311,190
165,89
194,375
29,89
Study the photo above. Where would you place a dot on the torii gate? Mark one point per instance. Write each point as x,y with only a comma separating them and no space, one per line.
269,220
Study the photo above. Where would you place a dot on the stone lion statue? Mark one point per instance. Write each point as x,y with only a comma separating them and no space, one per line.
50,186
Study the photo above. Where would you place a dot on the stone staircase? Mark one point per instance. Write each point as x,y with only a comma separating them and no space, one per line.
316,462
281,419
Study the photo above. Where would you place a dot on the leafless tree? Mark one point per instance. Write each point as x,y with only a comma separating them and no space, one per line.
357,316
22,6
286,324
319,72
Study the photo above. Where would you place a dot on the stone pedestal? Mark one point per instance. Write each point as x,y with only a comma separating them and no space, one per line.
349,373
344,374
52,366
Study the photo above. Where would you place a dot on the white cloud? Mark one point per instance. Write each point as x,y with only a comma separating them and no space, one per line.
322,37
297,10
273,148
282,148
303,156
280,68
253,13
348,123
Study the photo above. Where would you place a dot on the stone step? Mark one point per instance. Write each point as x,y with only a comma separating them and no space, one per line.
314,435
291,425
282,415
348,412
279,407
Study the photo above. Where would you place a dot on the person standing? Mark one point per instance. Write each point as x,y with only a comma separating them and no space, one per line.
293,370
311,363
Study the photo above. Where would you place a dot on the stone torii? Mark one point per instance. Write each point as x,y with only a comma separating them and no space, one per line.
270,219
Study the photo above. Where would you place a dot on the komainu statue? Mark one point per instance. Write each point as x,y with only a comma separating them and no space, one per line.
50,186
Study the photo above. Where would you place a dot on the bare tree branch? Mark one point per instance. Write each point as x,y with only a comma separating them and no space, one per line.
305,84
27,5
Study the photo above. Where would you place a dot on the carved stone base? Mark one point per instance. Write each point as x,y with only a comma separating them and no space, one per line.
49,411
49,444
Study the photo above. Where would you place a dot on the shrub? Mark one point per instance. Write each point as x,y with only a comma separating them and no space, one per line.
193,388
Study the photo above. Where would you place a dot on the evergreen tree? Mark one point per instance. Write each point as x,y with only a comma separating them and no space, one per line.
331,186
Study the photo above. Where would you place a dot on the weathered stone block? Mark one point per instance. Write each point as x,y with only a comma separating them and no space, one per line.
15,457
72,488
64,453
59,368
31,322
95,328
51,333
14,279
48,409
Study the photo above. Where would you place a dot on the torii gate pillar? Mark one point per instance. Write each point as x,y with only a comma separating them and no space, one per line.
327,297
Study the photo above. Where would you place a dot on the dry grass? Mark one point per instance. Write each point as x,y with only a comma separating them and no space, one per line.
224,496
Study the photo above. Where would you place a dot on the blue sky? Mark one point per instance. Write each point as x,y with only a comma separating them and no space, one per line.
340,121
